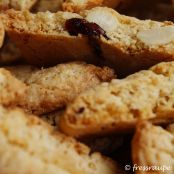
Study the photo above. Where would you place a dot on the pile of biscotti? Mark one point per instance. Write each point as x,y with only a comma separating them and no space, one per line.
85,88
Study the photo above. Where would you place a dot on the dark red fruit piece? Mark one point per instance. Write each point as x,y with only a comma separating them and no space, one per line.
77,26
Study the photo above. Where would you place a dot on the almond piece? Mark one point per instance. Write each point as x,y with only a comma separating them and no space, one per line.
105,18
157,36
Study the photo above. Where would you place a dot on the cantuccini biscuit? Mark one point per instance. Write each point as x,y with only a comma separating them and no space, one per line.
11,90
153,150
79,5
127,43
29,142
118,105
52,88
51,44
16,4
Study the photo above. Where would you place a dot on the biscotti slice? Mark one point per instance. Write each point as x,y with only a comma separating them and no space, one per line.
46,40
118,105
2,34
28,141
153,150
16,4
79,5
126,43
11,90
52,88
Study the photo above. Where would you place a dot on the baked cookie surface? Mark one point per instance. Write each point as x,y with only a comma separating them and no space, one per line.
28,141
116,106
130,45
11,90
153,146
53,88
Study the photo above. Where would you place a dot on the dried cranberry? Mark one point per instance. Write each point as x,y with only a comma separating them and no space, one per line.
77,26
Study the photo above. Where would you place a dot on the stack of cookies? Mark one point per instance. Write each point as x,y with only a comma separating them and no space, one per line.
86,87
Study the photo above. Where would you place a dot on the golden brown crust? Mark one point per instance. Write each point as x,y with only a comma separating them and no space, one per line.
12,91
116,106
133,44
152,146
53,88
28,141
